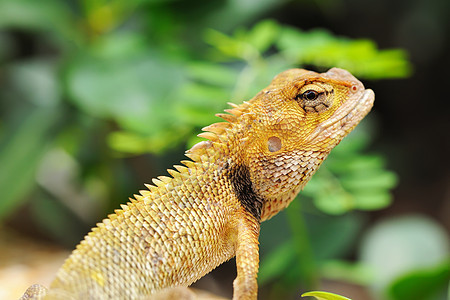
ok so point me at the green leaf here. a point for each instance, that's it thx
(371, 200)
(360, 57)
(44, 15)
(118, 45)
(20, 157)
(351, 180)
(369, 180)
(351, 272)
(227, 46)
(354, 163)
(325, 296)
(248, 45)
(137, 91)
(130, 142)
(422, 284)
(197, 104)
(124, 89)
(334, 202)
(212, 74)
(263, 35)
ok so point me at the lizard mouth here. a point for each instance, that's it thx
(346, 118)
(358, 111)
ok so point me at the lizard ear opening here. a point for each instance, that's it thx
(274, 144)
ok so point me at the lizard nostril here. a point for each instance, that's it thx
(274, 144)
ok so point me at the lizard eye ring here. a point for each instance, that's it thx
(315, 97)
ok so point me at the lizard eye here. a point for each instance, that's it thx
(315, 97)
(309, 95)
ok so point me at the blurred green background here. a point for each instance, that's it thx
(97, 97)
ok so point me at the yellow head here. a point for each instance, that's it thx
(309, 111)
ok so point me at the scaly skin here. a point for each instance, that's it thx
(249, 169)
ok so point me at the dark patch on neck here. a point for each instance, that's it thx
(241, 182)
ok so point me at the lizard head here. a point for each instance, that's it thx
(297, 120)
(304, 110)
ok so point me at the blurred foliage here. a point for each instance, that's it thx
(350, 180)
(87, 87)
(422, 284)
(403, 251)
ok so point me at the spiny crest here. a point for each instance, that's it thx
(145, 193)
(217, 128)
(136, 198)
(157, 182)
(214, 134)
(165, 179)
(182, 169)
(117, 213)
(198, 149)
(209, 136)
(151, 188)
(173, 173)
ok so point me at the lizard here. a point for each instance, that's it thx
(248, 168)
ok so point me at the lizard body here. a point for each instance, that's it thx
(210, 209)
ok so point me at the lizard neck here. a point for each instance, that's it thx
(280, 178)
